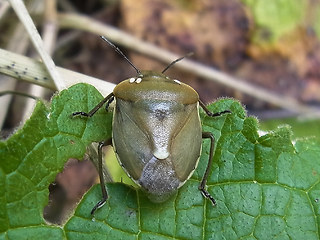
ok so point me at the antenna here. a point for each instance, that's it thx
(177, 60)
(121, 53)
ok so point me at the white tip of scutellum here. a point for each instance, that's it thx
(161, 153)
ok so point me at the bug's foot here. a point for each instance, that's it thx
(80, 114)
(211, 114)
(207, 195)
(98, 205)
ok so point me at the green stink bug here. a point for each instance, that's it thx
(156, 133)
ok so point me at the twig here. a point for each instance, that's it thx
(76, 21)
(3, 93)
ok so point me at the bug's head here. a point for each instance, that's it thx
(156, 86)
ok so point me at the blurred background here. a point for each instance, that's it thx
(274, 45)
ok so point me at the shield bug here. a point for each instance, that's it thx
(156, 133)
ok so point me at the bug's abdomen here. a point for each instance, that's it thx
(154, 138)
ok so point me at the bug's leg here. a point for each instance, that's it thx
(100, 171)
(109, 102)
(211, 114)
(107, 99)
(202, 186)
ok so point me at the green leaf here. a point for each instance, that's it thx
(266, 187)
(35, 154)
(302, 128)
(274, 18)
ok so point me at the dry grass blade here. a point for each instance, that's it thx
(32, 71)
(25, 18)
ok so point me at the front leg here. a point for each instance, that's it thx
(108, 99)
